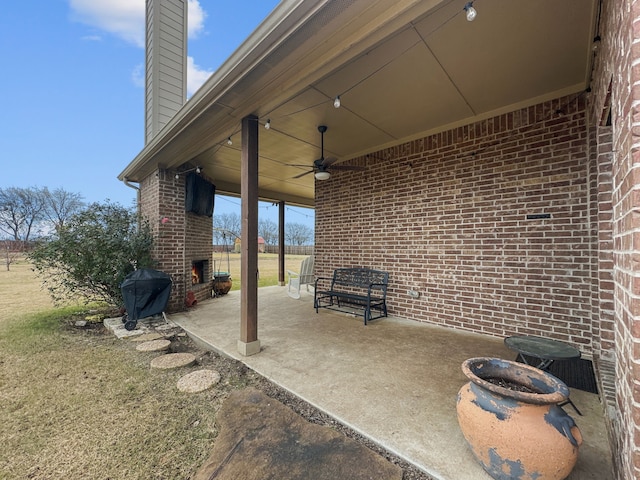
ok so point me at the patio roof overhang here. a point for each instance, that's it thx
(403, 69)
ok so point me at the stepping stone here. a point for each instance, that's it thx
(173, 360)
(147, 337)
(164, 327)
(154, 346)
(198, 381)
(117, 327)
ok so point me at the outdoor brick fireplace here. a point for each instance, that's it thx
(183, 241)
(199, 272)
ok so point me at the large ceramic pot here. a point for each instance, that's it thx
(222, 283)
(509, 415)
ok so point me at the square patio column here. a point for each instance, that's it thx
(281, 251)
(249, 343)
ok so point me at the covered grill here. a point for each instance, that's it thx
(145, 293)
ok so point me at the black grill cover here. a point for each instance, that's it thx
(145, 293)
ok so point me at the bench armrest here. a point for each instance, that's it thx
(318, 279)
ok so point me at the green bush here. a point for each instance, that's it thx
(91, 255)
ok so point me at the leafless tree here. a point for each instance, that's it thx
(298, 234)
(61, 205)
(268, 230)
(226, 228)
(21, 209)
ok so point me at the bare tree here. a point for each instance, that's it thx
(61, 205)
(298, 234)
(268, 230)
(226, 228)
(20, 211)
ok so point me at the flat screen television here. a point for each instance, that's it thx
(199, 195)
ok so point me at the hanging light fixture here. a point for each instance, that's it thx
(268, 124)
(229, 142)
(336, 102)
(322, 175)
(471, 12)
(198, 170)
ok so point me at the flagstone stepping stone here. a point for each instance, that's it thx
(154, 346)
(173, 360)
(263, 438)
(198, 381)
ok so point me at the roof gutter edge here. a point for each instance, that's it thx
(291, 12)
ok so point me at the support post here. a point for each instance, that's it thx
(281, 253)
(249, 343)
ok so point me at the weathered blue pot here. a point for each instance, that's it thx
(517, 435)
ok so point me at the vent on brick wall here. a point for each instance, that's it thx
(538, 216)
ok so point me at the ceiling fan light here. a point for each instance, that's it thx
(471, 12)
(323, 175)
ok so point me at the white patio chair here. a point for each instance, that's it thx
(304, 277)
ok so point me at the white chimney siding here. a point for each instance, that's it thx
(166, 63)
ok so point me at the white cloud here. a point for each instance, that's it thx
(197, 16)
(92, 38)
(195, 76)
(125, 18)
(137, 75)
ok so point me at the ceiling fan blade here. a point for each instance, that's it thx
(303, 174)
(327, 161)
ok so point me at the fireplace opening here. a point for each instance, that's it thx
(199, 270)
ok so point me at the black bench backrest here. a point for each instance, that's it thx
(360, 277)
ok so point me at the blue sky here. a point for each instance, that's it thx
(72, 102)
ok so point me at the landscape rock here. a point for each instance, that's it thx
(262, 438)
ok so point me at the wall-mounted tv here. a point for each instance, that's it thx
(199, 195)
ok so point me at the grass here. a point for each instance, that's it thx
(20, 291)
(267, 267)
(79, 403)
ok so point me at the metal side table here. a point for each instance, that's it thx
(545, 350)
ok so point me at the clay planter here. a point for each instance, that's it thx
(222, 283)
(516, 434)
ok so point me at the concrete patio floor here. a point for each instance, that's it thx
(394, 381)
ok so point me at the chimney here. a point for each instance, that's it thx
(166, 62)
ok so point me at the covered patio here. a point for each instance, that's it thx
(394, 381)
(490, 167)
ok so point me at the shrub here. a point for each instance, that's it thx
(91, 255)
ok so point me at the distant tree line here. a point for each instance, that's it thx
(227, 227)
(28, 213)
(33, 212)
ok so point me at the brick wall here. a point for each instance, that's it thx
(180, 237)
(615, 83)
(446, 215)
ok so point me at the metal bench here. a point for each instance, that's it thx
(360, 287)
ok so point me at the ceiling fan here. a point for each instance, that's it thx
(322, 165)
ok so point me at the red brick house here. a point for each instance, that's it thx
(494, 164)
